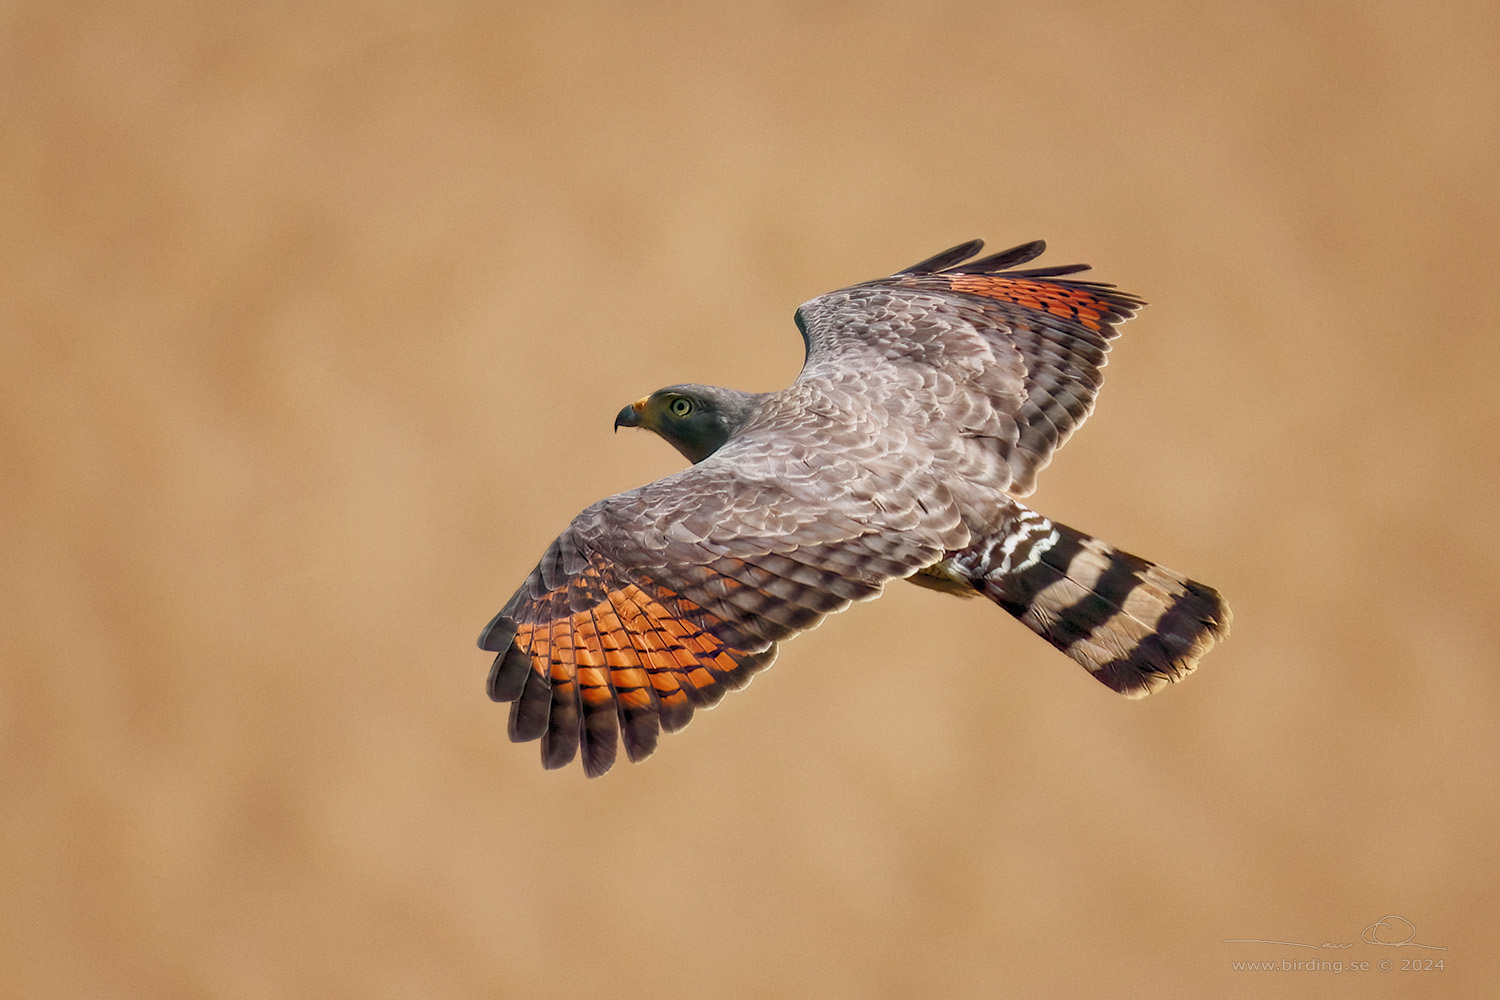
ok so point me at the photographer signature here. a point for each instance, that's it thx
(1390, 930)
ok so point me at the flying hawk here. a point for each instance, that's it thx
(927, 405)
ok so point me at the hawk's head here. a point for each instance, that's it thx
(694, 419)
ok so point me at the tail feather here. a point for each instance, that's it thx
(1134, 625)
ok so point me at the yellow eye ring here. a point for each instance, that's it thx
(681, 406)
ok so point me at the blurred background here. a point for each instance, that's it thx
(315, 320)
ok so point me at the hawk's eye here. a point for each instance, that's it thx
(681, 406)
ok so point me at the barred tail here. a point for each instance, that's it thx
(1134, 625)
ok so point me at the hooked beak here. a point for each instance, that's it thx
(631, 415)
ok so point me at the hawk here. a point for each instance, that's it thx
(926, 406)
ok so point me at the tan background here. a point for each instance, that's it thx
(315, 319)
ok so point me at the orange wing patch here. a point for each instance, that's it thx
(1067, 301)
(637, 659)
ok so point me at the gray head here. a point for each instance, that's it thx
(694, 419)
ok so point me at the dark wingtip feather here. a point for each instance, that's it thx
(1056, 271)
(598, 753)
(497, 634)
(1002, 260)
(675, 715)
(508, 675)
(946, 259)
(639, 731)
(528, 713)
(560, 742)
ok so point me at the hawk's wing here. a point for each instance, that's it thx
(659, 600)
(1022, 349)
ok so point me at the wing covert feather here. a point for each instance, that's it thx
(1046, 339)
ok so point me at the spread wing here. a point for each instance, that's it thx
(658, 601)
(1021, 349)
